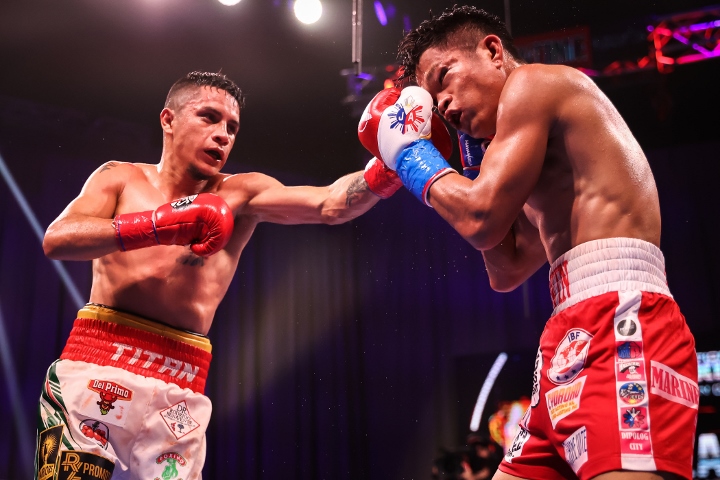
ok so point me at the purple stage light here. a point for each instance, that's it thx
(380, 13)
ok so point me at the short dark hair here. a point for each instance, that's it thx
(209, 79)
(464, 26)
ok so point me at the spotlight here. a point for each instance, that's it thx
(308, 11)
(229, 2)
(380, 13)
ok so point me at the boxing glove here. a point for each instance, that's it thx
(381, 181)
(397, 126)
(472, 152)
(203, 221)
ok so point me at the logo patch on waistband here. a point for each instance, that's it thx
(179, 420)
(570, 357)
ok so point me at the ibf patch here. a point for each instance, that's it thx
(179, 420)
(669, 384)
(48, 448)
(563, 400)
(576, 451)
(570, 356)
(79, 465)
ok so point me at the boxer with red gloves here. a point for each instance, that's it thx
(165, 241)
(203, 221)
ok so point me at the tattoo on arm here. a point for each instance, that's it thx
(356, 187)
(191, 260)
(108, 166)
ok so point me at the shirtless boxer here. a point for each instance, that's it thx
(126, 397)
(562, 181)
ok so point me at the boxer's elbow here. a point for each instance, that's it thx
(478, 231)
(51, 244)
(503, 283)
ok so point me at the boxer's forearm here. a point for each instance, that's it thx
(515, 258)
(79, 237)
(348, 198)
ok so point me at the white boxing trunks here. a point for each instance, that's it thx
(615, 382)
(125, 401)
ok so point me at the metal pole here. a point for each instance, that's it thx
(357, 36)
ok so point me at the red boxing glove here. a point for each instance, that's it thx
(381, 181)
(203, 220)
(370, 122)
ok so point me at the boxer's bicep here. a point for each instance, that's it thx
(99, 196)
(84, 230)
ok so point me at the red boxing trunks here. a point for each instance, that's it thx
(615, 382)
(125, 401)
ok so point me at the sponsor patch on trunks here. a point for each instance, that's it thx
(576, 452)
(626, 328)
(179, 420)
(96, 431)
(48, 448)
(563, 400)
(518, 443)
(171, 462)
(632, 393)
(76, 465)
(630, 370)
(535, 399)
(629, 350)
(635, 443)
(570, 356)
(109, 402)
(669, 384)
(634, 418)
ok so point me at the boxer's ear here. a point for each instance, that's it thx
(166, 118)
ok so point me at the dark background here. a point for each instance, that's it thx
(336, 349)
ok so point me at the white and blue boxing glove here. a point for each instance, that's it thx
(472, 151)
(400, 128)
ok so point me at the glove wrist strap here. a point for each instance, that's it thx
(135, 230)
(419, 165)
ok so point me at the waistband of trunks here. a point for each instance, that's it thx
(606, 265)
(103, 336)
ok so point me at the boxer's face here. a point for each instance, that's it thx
(203, 127)
(466, 84)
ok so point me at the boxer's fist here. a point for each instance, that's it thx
(472, 151)
(203, 221)
(395, 118)
(381, 181)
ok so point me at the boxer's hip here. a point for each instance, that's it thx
(104, 336)
(606, 265)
